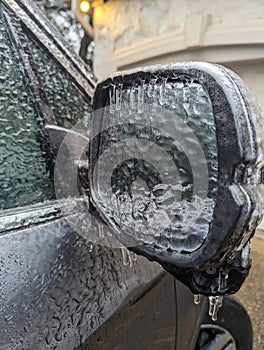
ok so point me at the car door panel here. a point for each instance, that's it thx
(147, 321)
(56, 290)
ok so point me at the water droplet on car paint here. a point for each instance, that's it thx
(100, 231)
(90, 247)
(8, 318)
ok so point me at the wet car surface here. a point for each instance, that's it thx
(57, 287)
(252, 292)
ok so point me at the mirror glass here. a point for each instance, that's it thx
(155, 177)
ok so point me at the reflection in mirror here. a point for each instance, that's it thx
(158, 146)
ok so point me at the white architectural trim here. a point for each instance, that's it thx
(198, 34)
(261, 226)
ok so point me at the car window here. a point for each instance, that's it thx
(41, 83)
(67, 102)
(57, 287)
(25, 177)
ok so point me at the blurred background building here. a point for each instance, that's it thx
(130, 33)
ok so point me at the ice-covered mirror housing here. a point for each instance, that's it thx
(176, 170)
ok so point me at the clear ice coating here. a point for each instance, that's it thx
(156, 178)
(67, 102)
(222, 280)
(128, 258)
(49, 291)
(24, 176)
(215, 304)
(62, 17)
(26, 165)
(25, 161)
(197, 299)
(57, 288)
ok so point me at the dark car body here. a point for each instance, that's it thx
(58, 290)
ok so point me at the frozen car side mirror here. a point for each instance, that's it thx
(176, 170)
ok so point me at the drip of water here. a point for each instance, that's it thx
(169, 94)
(156, 92)
(112, 99)
(150, 88)
(127, 257)
(197, 299)
(141, 98)
(186, 99)
(118, 96)
(126, 101)
(177, 95)
(215, 304)
(222, 280)
(162, 92)
(132, 97)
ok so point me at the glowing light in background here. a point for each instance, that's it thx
(85, 6)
